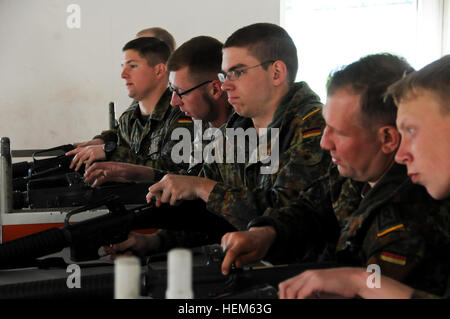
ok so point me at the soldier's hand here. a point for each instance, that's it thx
(102, 172)
(96, 141)
(137, 244)
(324, 283)
(243, 247)
(173, 189)
(86, 155)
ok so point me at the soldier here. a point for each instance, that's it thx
(155, 32)
(195, 62)
(145, 128)
(423, 114)
(384, 218)
(259, 69)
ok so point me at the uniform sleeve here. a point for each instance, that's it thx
(159, 154)
(300, 164)
(395, 248)
(107, 135)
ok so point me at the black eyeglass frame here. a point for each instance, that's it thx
(233, 75)
(180, 95)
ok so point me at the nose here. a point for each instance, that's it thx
(403, 156)
(175, 100)
(326, 141)
(226, 85)
(124, 73)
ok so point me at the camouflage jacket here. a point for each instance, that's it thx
(399, 227)
(244, 191)
(396, 225)
(150, 144)
(308, 228)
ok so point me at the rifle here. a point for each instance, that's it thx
(255, 282)
(86, 237)
(24, 172)
(69, 190)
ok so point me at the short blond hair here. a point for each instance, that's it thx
(434, 77)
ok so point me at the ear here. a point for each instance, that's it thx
(279, 75)
(160, 70)
(389, 138)
(216, 89)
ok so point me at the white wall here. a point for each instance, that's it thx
(56, 83)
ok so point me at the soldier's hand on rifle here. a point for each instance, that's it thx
(96, 141)
(243, 247)
(102, 172)
(173, 189)
(345, 282)
(137, 244)
(86, 155)
(324, 283)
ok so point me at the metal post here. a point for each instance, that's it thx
(112, 116)
(5, 179)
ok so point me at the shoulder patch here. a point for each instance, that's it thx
(311, 133)
(393, 258)
(387, 231)
(308, 115)
(388, 221)
(184, 120)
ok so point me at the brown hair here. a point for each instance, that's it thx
(203, 56)
(267, 42)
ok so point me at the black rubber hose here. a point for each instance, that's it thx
(98, 286)
(23, 251)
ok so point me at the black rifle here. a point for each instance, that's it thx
(24, 172)
(256, 282)
(69, 190)
(86, 237)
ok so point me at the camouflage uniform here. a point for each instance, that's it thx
(396, 225)
(149, 144)
(242, 192)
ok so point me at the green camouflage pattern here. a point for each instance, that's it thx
(151, 144)
(399, 227)
(242, 192)
(308, 227)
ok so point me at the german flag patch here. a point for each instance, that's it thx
(311, 133)
(185, 120)
(393, 258)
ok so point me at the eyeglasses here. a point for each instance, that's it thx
(236, 74)
(180, 94)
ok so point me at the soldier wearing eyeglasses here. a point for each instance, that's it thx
(143, 135)
(195, 91)
(259, 67)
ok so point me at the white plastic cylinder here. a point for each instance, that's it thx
(127, 277)
(179, 274)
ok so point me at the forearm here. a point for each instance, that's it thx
(139, 173)
(388, 289)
